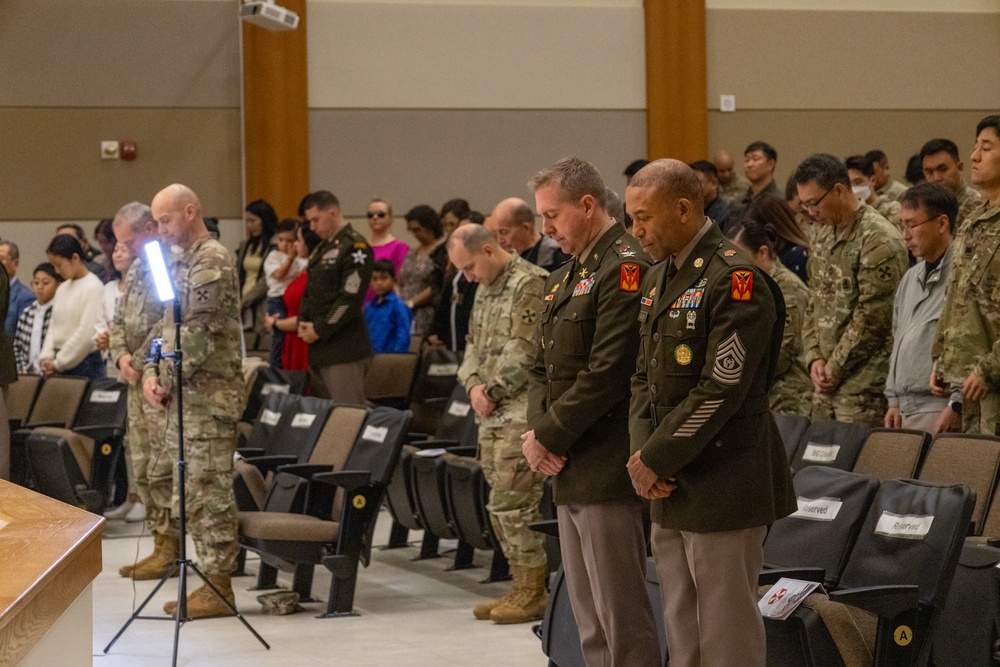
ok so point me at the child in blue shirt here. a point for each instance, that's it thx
(387, 316)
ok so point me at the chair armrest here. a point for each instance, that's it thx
(270, 463)
(30, 427)
(250, 452)
(465, 450)
(770, 577)
(885, 601)
(306, 470)
(549, 527)
(85, 430)
(435, 444)
(345, 479)
(416, 437)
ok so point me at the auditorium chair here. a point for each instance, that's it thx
(436, 376)
(558, 630)
(468, 494)
(261, 439)
(815, 542)
(973, 460)
(264, 381)
(336, 528)
(830, 443)
(55, 405)
(791, 428)
(20, 398)
(77, 465)
(389, 379)
(892, 453)
(893, 588)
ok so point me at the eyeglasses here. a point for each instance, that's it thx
(812, 206)
(377, 214)
(914, 225)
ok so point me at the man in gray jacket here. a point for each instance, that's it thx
(928, 217)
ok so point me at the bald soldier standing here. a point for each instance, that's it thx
(578, 414)
(205, 281)
(706, 449)
(139, 312)
(732, 186)
(513, 224)
(503, 335)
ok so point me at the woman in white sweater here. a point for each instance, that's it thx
(76, 309)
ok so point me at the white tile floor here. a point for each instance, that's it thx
(411, 613)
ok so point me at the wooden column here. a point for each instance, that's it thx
(676, 80)
(276, 113)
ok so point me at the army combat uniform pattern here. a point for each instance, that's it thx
(968, 334)
(206, 282)
(889, 209)
(136, 319)
(503, 336)
(792, 389)
(893, 190)
(969, 201)
(853, 276)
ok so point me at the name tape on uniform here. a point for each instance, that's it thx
(442, 370)
(375, 433)
(275, 388)
(907, 526)
(303, 420)
(459, 409)
(269, 417)
(105, 396)
(820, 453)
(818, 509)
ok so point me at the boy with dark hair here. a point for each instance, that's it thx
(387, 316)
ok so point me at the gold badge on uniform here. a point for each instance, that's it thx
(683, 354)
(698, 263)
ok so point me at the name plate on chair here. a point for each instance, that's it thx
(442, 370)
(785, 597)
(908, 526)
(820, 453)
(375, 433)
(818, 509)
(459, 409)
(275, 388)
(303, 420)
(105, 396)
(269, 417)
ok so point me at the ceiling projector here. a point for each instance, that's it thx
(268, 15)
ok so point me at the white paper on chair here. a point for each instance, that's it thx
(459, 409)
(442, 370)
(105, 396)
(818, 509)
(274, 388)
(269, 417)
(303, 420)
(375, 433)
(907, 526)
(431, 453)
(820, 453)
(785, 597)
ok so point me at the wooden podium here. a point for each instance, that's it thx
(50, 553)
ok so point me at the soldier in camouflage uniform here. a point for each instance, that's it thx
(791, 391)
(732, 186)
(883, 183)
(503, 335)
(138, 314)
(205, 281)
(855, 264)
(861, 171)
(967, 350)
(941, 164)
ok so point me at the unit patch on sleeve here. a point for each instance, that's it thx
(629, 277)
(742, 285)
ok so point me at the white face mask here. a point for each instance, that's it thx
(862, 191)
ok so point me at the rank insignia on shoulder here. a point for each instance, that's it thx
(584, 286)
(742, 285)
(629, 277)
(646, 301)
(729, 253)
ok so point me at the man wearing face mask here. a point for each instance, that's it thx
(856, 260)
(860, 171)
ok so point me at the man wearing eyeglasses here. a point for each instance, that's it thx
(855, 264)
(927, 217)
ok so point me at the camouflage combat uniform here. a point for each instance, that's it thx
(889, 209)
(735, 190)
(853, 275)
(792, 388)
(138, 314)
(503, 335)
(206, 282)
(968, 334)
(892, 190)
(969, 200)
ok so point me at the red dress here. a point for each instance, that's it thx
(295, 353)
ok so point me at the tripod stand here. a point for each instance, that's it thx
(183, 563)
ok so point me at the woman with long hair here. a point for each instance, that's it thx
(261, 223)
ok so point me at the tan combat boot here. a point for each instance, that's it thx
(157, 563)
(203, 603)
(482, 611)
(528, 602)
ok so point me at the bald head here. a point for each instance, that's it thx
(673, 179)
(725, 165)
(513, 224)
(177, 211)
(477, 254)
(666, 204)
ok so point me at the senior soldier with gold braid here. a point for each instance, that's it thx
(205, 281)
(705, 447)
(856, 261)
(967, 350)
(503, 335)
(578, 414)
(135, 325)
(330, 318)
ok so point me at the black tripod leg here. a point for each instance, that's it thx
(181, 611)
(138, 610)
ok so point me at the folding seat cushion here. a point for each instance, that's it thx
(972, 460)
(791, 428)
(892, 453)
(467, 493)
(830, 443)
(389, 379)
(20, 398)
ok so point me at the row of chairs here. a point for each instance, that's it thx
(67, 437)
(309, 484)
